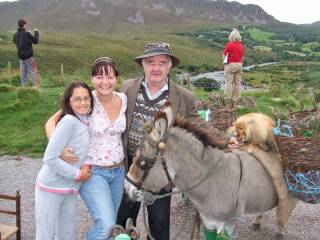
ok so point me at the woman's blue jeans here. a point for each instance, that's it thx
(102, 194)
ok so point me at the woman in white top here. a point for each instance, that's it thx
(102, 193)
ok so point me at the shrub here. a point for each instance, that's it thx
(317, 96)
(10, 78)
(6, 88)
(207, 84)
(275, 90)
(192, 68)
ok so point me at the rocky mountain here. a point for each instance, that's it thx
(107, 15)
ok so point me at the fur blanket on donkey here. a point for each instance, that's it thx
(254, 130)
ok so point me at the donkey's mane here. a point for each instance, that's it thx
(202, 131)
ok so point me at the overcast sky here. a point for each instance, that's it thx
(294, 11)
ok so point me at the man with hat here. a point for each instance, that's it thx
(147, 95)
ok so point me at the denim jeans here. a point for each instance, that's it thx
(102, 194)
(29, 65)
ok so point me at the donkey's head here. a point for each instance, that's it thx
(149, 170)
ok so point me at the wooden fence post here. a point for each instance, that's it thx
(9, 72)
(61, 73)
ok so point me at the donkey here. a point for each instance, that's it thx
(223, 186)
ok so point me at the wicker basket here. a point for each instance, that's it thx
(222, 117)
(299, 118)
(301, 157)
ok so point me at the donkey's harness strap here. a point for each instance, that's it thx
(158, 196)
(146, 163)
(240, 179)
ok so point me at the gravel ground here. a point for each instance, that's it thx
(20, 175)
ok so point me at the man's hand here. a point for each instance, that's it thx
(234, 143)
(85, 173)
(68, 155)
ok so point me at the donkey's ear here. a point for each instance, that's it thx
(167, 108)
(160, 125)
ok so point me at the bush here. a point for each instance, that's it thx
(207, 84)
(317, 96)
(6, 88)
(12, 78)
(275, 90)
(192, 68)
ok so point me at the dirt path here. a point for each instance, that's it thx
(14, 175)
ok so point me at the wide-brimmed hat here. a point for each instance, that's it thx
(154, 49)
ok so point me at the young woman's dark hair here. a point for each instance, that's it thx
(65, 101)
(103, 63)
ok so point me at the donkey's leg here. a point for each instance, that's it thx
(257, 223)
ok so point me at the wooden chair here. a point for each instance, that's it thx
(6, 231)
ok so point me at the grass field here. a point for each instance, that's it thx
(77, 52)
(259, 35)
(24, 111)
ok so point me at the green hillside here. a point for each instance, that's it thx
(24, 111)
(76, 52)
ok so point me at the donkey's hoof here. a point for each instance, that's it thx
(256, 226)
(280, 236)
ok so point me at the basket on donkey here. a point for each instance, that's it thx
(222, 116)
(300, 154)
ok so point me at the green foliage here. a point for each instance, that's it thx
(28, 94)
(207, 84)
(76, 52)
(260, 35)
(265, 43)
(24, 111)
(317, 96)
(6, 88)
(275, 90)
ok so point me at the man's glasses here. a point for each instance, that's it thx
(159, 45)
(80, 99)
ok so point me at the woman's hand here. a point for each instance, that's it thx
(234, 143)
(85, 173)
(68, 156)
